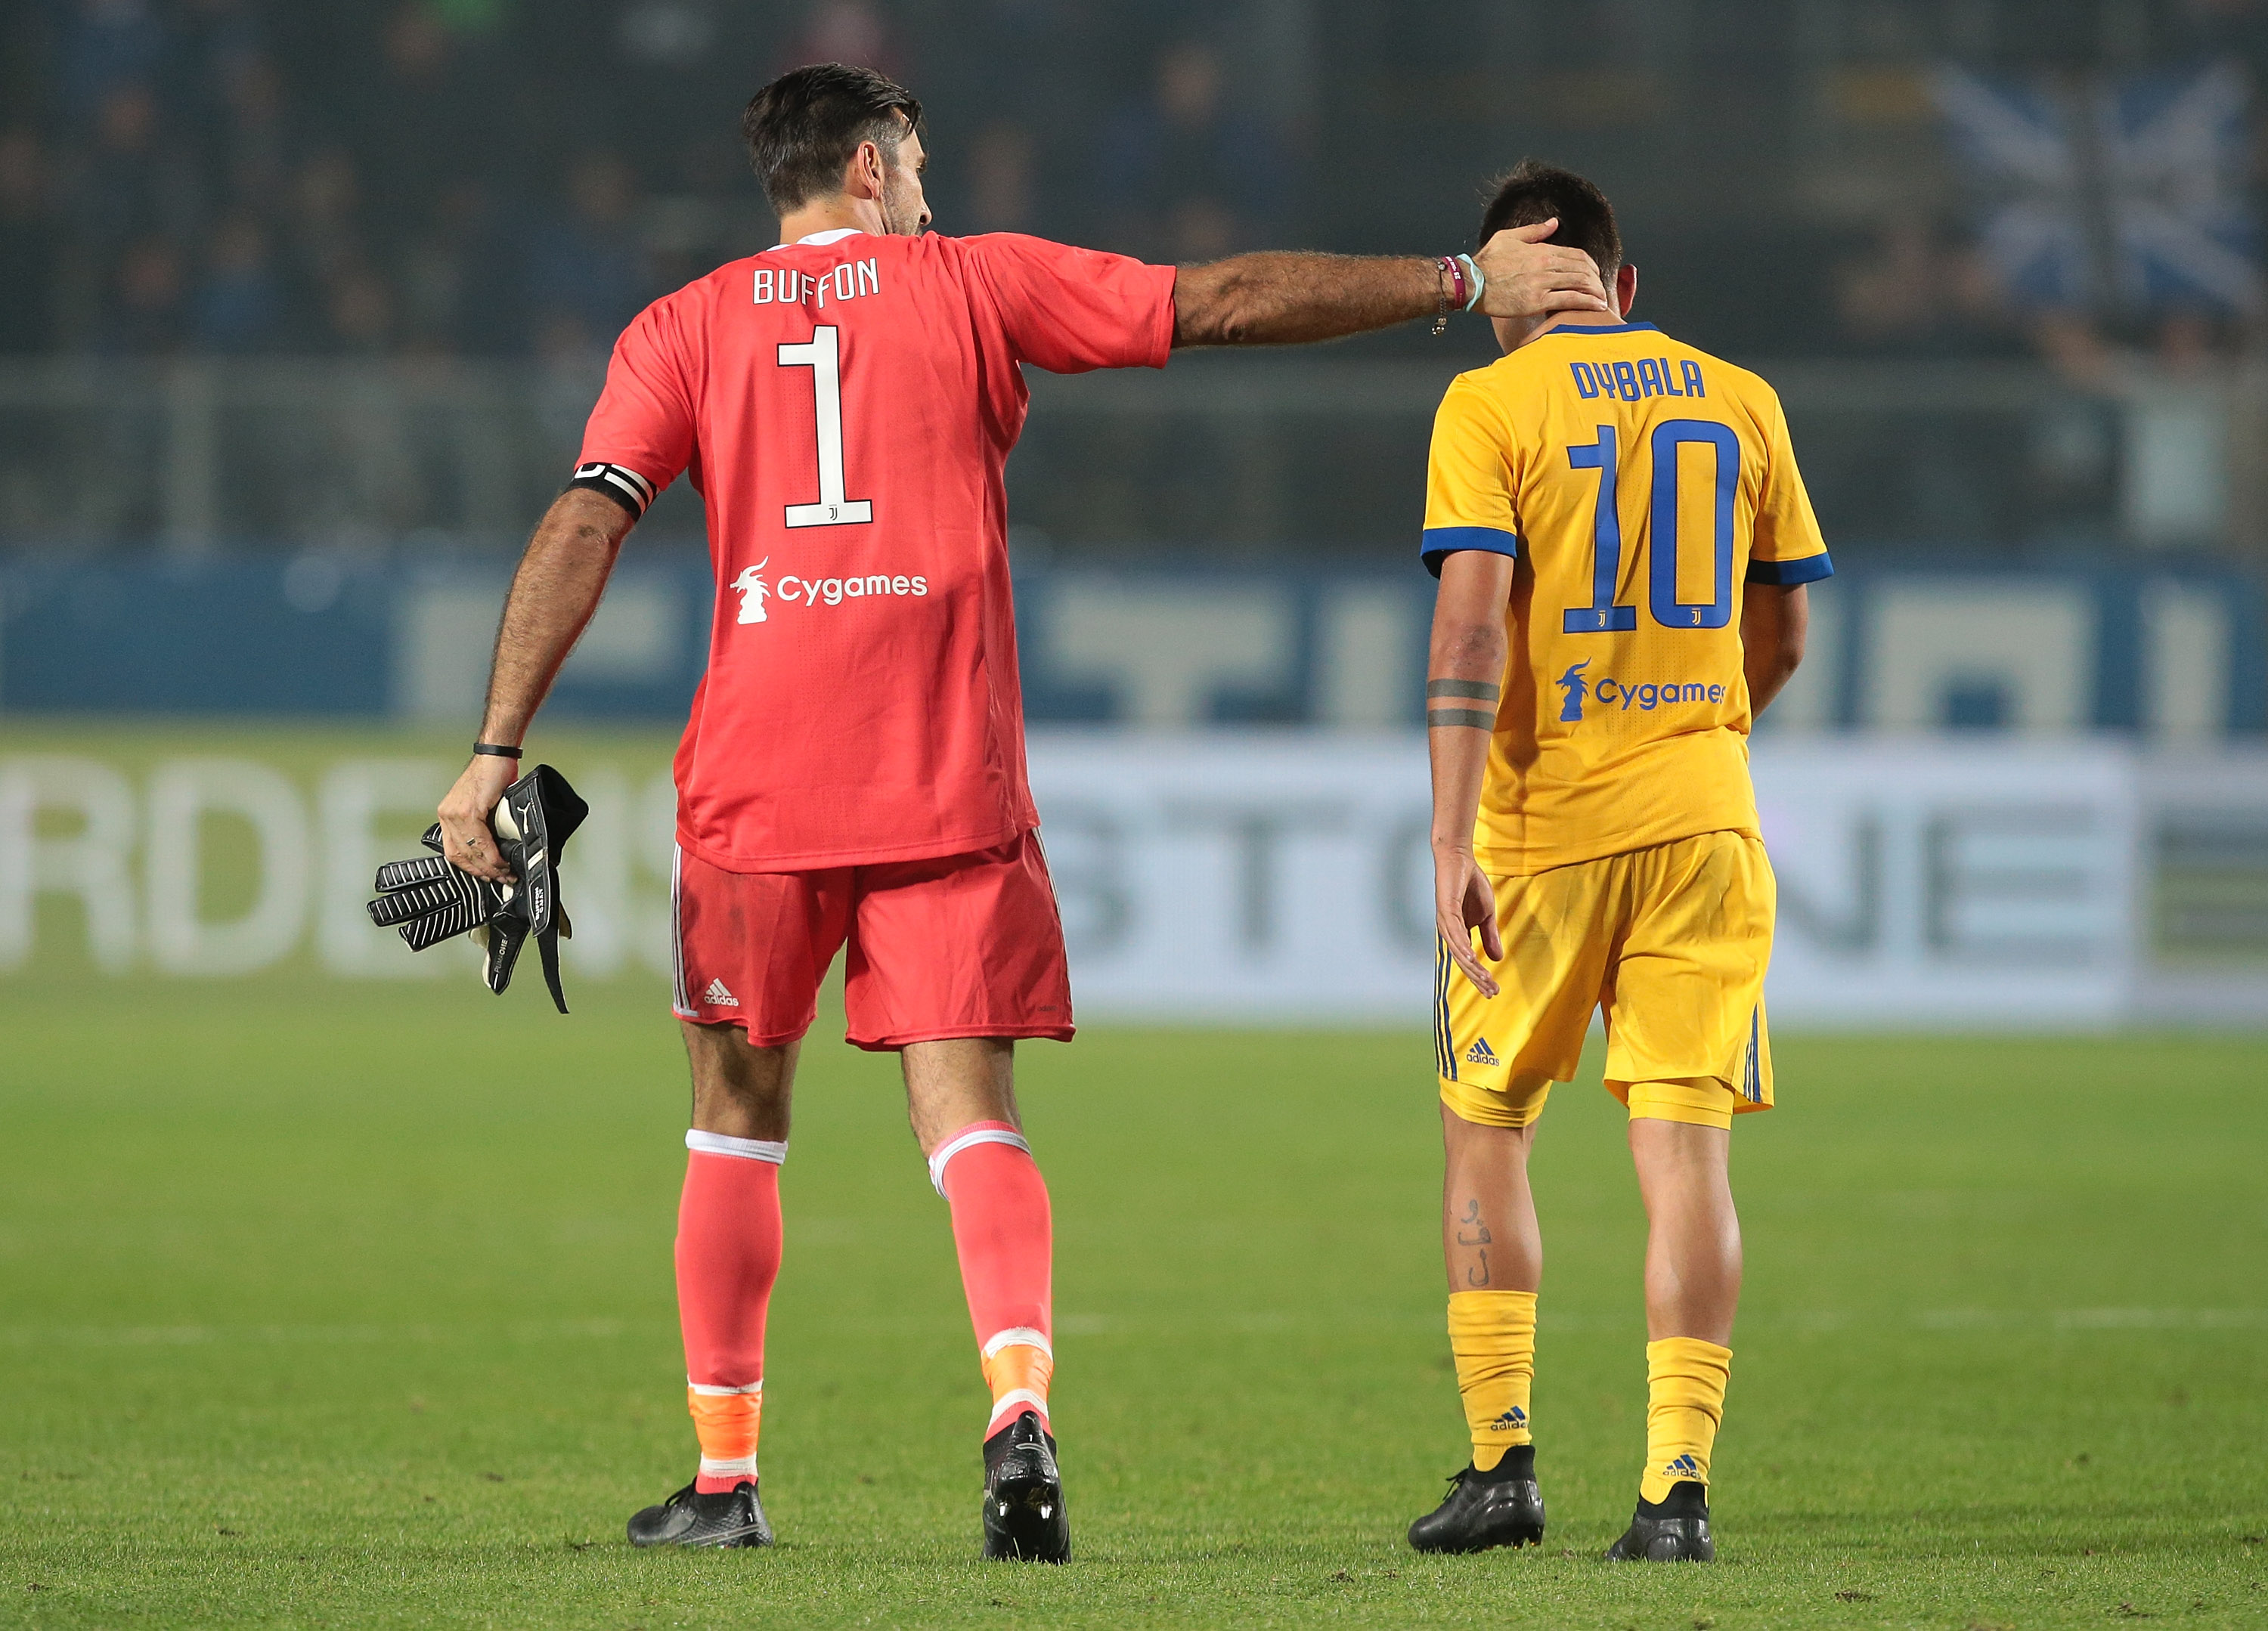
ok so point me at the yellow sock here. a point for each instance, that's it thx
(1492, 1333)
(1684, 1401)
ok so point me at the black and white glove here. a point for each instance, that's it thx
(427, 900)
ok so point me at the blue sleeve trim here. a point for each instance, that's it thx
(1787, 574)
(1439, 543)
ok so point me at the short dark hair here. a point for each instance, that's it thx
(1533, 192)
(802, 128)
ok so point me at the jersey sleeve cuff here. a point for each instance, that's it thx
(1787, 574)
(1161, 331)
(625, 486)
(1439, 543)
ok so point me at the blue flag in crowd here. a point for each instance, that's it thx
(2122, 194)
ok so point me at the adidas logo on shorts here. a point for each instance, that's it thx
(1481, 1053)
(716, 996)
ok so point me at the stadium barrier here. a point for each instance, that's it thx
(1228, 877)
(1165, 642)
(1218, 448)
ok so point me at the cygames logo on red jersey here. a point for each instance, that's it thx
(754, 591)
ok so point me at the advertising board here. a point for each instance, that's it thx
(1247, 878)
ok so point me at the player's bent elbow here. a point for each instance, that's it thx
(1464, 650)
(586, 516)
(1208, 309)
(1234, 327)
(1776, 624)
(1212, 321)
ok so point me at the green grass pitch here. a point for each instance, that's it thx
(332, 1306)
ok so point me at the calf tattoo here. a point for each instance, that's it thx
(1472, 1221)
(1473, 1232)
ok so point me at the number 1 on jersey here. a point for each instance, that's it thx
(822, 355)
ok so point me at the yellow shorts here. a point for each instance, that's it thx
(1671, 942)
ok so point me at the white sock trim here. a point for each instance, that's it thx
(969, 1140)
(712, 1390)
(1014, 1403)
(1016, 1336)
(739, 1466)
(747, 1149)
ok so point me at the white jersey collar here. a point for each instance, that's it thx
(833, 235)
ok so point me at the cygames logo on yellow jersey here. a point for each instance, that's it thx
(1571, 711)
(1610, 692)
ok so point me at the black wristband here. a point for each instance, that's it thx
(495, 750)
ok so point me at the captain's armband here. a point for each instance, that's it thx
(625, 486)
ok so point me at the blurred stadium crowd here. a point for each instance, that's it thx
(345, 274)
(471, 177)
(485, 177)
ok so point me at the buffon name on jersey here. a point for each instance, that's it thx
(786, 285)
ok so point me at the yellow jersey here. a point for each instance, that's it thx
(1641, 485)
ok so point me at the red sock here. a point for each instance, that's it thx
(1005, 1237)
(728, 1254)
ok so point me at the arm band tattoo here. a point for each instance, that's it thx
(1436, 718)
(1479, 690)
(626, 487)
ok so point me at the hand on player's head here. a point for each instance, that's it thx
(467, 839)
(1530, 277)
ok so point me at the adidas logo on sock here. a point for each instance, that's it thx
(1512, 1418)
(717, 996)
(1480, 1053)
(1684, 1466)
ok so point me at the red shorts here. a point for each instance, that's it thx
(960, 945)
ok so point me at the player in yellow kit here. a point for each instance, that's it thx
(1622, 542)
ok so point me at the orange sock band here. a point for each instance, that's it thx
(1018, 1367)
(726, 1424)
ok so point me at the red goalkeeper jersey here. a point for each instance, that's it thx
(844, 406)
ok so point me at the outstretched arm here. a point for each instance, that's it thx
(1277, 298)
(554, 591)
(1464, 671)
(1774, 622)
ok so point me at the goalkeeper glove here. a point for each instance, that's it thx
(427, 900)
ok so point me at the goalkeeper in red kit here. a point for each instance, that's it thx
(853, 770)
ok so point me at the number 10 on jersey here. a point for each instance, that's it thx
(1603, 616)
(822, 355)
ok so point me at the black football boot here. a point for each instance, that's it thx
(1023, 1515)
(731, 1517)
(1674, 1531)
(1503, 1506)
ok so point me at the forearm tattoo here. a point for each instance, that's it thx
(1439, 712)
